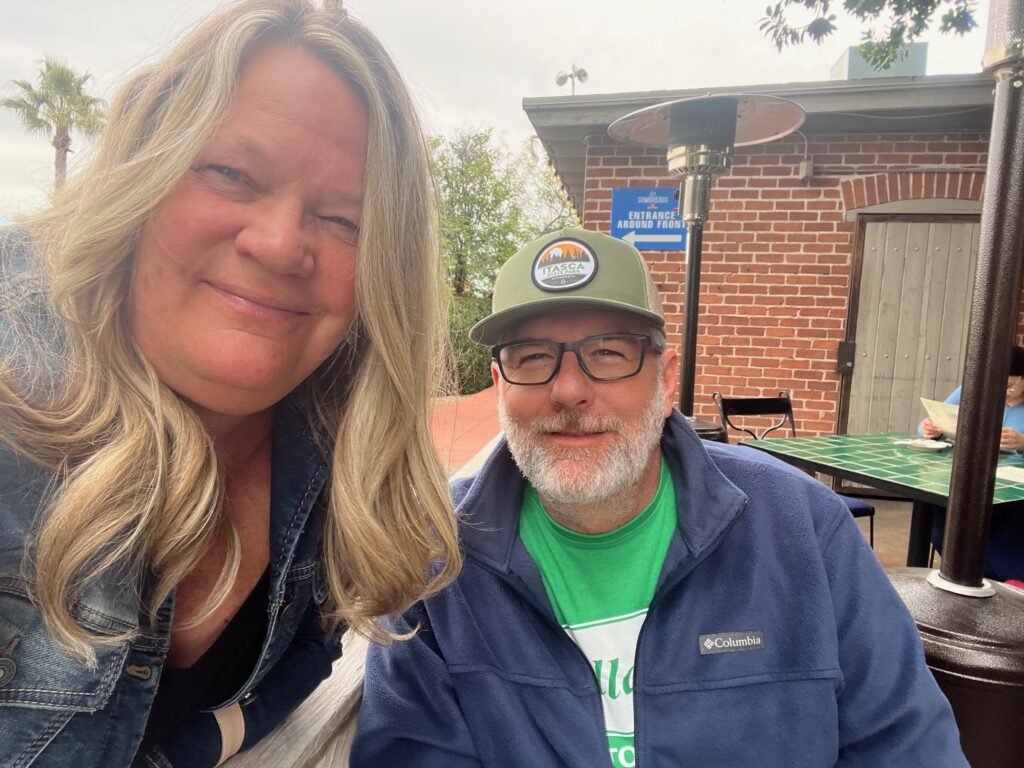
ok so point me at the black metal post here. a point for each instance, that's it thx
(688, 365)
(989, 337)
(972, 645)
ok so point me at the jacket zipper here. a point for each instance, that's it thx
(658, 596)
(600, 697)
(516, 583)
(527, 595)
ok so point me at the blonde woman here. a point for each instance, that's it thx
(218, 348)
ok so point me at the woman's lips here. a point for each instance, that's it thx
(255, 305)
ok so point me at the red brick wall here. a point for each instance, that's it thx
(776, 263)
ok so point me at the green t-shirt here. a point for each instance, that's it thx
(600, 587)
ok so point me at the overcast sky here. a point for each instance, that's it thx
(469, 62)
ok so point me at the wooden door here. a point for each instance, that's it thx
(916, 281)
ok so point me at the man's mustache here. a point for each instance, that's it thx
(575, 422)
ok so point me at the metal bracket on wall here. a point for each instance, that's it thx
(844, 356)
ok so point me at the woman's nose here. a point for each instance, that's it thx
(277, 237)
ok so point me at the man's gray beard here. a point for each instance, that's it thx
(606, 473)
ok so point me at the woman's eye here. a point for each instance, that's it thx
(347, 229)
(224, 172)
(341, 221)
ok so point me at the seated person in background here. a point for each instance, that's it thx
(1012, 437)
(1004, 555)
(631, 591)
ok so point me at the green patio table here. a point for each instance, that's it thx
(877, 461)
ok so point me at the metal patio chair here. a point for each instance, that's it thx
(730, 408)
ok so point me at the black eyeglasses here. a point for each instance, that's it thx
(603, 358)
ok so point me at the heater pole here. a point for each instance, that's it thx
(993, 314)
(694, 204)
(688, 369)
(989, 336)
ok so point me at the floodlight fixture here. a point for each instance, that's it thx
(700, 134)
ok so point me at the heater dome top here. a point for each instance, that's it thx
(755, 118)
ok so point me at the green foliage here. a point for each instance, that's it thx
(492, 202)
(56, 106)
(545, 205)
(903, 22)
(472, 360)
(481, 220)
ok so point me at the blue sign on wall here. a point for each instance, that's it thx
(648, 218)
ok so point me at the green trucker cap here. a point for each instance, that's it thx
(570, 269)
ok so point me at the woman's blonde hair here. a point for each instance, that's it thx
(139, 485)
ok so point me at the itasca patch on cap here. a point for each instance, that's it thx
(563, 265)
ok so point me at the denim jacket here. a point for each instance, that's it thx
(55, 711)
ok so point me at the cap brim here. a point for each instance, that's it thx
(490, 330)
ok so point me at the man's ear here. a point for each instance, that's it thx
(669, 377)
(495, 373)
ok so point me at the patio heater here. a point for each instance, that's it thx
(972, 629)
(700, 134)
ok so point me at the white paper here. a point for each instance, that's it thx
(1013, 474)
(943, 415)
(923, 444)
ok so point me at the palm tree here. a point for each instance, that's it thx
(58, 105)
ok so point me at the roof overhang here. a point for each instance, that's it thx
(929, 104)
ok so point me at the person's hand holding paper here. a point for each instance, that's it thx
(941, 419)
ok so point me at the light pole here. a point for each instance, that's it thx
(700, 134)
(577, 73)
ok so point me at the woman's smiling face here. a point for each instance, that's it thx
(244, 280)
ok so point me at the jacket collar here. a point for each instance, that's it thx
(708, 503)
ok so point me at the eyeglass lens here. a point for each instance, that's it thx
(601, 357)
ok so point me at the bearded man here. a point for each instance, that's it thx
(632, 595)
